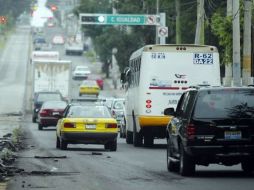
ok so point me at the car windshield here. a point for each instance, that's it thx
(82, 69)
(54, 105)
(226, 103)
(89, 112)
(40, 40)
(89, 83)
(47, 97)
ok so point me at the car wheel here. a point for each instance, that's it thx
(40, 127)
(187, 164)
(137, 138)
(171, 166)
(112, 146)
(57, 142)
(247, 166)
(122, 133)
(34, 119)
(129, 137)
(148, 140)
(63, 144)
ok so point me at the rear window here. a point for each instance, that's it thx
(48, 97)
(54, 105)
(89, 112)
(226, 103)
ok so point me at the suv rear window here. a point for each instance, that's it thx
(225, 103)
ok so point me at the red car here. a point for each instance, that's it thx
(98, 79)
(48, 111)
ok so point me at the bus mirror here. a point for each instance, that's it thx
(123, 78)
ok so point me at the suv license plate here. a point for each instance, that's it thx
(90, 126)
(233, 135)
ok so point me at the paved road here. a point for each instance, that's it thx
(13, 72)
(90, 167)
(13, 61)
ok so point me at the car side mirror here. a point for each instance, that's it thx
(169, 111)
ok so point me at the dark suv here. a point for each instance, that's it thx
(211, 125)
(40, 98)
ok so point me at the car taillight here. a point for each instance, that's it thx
(69, 125)
(44, 112)
(191, 130)
(111, 125)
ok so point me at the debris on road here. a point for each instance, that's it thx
(10, 143)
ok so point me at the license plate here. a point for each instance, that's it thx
(233, 135)
(55, 113)
(89, 126)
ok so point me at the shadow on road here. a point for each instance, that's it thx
(222, 174)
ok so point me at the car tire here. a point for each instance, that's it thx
(122, 132)
(40, 127)
(129, 137)
(171, 166)
(63, 144)
(112, 146)
(137, 138)
(148, 140)
(34, 119)
(247, 166)
(57, 142)
(187, 164)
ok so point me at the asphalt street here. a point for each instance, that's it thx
(90, 167)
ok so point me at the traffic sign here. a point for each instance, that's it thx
(163, 31)
(119, 19)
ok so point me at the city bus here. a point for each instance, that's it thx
(154, 80)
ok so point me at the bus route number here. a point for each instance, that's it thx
(203, 58)
(158, 56)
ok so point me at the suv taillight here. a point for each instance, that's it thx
(190, 130)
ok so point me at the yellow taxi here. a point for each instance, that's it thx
(87, 124)
(89, 87)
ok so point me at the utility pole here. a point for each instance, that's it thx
(228, 66)
(199, 37)
(157, 27)
(246, 70)
(178, 22)
(236, 44)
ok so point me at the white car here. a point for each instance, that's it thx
(81, 72)
(74, 48)
(58, 40)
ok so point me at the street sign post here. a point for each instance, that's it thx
(119, 19)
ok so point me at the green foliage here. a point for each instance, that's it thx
(11, 9)
(222, 27)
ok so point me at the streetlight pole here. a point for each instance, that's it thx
(236, 44)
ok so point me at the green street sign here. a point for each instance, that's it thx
(118, 19)
(126, 19)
